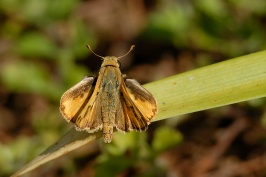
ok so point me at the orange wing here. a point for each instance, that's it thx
(77, 105)
(138, 107)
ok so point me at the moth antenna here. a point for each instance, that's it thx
(89, 47)
(131, 48)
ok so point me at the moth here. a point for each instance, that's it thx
(107, 101)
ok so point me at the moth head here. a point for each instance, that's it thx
(111, 61)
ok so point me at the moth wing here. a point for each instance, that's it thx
(138, 105)
(77, 106)
(122, 120)
(73, 99)
(89, 118)
(142, 99)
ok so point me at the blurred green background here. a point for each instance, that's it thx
(43, 53)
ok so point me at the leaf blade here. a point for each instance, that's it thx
(228, 82)
(71, 140)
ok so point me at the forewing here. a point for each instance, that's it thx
(73, 99)
(138, 105)
(77, 105)
(142, 99)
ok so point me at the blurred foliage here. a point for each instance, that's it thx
(132, 150)
(210, 25)
(43, 53)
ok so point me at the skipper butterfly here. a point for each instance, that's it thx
(107, 101)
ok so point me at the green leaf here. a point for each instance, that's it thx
(166, 138)
(122, 142)
(35, 45)
(112, 167)
(220, 84)
(27, 77)
(60, 9)
(224, 83)
(61, 147)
